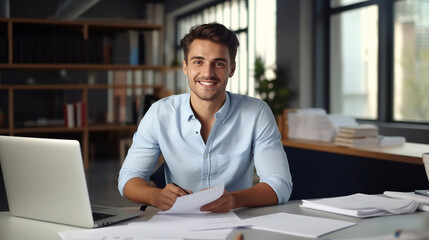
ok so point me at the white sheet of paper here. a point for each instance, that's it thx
(195, 221)
(297, 225)
(193, 202)
(142, 232)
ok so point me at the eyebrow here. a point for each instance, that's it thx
(216, 59)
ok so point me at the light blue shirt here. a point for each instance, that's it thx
(244, 136)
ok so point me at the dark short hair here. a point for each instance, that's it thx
(214, 32)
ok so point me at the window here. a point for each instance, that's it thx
(255, 25)
(353, 62)
(411, 61)
(341, 3)
(378, 59)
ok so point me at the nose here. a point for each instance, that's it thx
(208, 71)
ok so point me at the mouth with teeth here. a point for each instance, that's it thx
(207, 83)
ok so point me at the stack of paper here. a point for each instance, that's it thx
(315, 124)
(362, 205)
(422, 200)
(302, 124)
(357, 136)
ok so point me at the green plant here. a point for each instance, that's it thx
(273, 91)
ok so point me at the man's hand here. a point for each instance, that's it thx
(167, 196)
(139, 191)
(223, 204)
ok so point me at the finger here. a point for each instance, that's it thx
(218, 208)
(213, 205)
(175, 189)
(164, 206)
(184, 190)
(166, 198)
(222, 209)
(178, 190)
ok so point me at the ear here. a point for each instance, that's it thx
(185, 67)
(232, 69)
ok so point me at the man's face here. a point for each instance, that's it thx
(208, 69)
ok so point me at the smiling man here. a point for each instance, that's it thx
(209, 136)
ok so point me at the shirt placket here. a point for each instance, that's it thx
(205, 157)
(207, 176)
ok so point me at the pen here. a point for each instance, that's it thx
(181, 188)
(397, 233)
(239, 237)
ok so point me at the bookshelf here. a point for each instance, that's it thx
(47, 46)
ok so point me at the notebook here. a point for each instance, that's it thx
(45, 180)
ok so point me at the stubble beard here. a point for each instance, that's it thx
(207, 95)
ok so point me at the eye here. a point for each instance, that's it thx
(220, 64)
(197, 62)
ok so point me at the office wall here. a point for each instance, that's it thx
(173, 5)
(294, 48)
(107, 9)
(32, 9)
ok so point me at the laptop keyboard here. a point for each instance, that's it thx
(98, 216)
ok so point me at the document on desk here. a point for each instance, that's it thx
(297, 225)
(192, 203)
(196, 221)
(199, 225)
(139, 232)
(362, 205)
(422, 200)
(163, 226)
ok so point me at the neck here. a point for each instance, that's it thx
(206, 109)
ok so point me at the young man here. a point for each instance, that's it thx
(208, 136)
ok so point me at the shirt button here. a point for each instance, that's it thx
(196, 132)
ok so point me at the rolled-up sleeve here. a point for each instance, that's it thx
(270, 157)
(143, 154)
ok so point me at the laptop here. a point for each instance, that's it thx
(45, 180)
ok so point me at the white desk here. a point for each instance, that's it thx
(14, 228)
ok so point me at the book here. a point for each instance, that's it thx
(382, 141)
(126, 48)
(80, 114)
(361, 130)
(69, 115)
(119, 96)
(131, 110)
(356, 134)
(110, 116)
(357, 142)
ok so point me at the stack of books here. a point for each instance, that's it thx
(357, 136)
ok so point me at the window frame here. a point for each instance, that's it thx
(322, 12)
(385, 55)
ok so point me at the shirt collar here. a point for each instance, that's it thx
(188, 109)
(221, 114)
